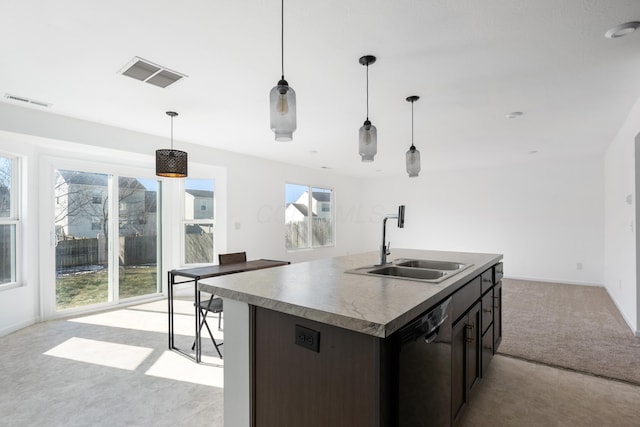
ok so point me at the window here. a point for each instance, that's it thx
(308, 216)
(198, 221)
(8, 220)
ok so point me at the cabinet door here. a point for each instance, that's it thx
(497, 316)
(487, 349)
(466, 357)
(458, 367)
(474, 345)
(487, 310)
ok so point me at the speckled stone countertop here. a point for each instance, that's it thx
(322, 291)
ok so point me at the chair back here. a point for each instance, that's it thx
(232, 258)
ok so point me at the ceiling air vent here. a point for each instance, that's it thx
(26, 100)
(148, 72)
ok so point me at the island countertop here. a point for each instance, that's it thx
(322, 291)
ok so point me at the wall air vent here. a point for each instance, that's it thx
(27, 100)
(148, 72)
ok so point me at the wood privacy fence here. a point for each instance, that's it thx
(297, 233)
(78, 252)
(6, 258)
(198, 247)
(134, 250)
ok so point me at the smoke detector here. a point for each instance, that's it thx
(148, 72)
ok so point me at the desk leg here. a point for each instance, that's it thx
(170, 281)
(197, 306)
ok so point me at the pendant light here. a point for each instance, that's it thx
(171, 163)
(413, 155)
(368, 141)
(283, 99)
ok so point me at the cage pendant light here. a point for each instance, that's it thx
(413, 155)
(282, 98)
(171, 163)
(368, 135)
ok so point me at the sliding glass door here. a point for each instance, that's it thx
(104, 251)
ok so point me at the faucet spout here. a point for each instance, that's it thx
(385, 248)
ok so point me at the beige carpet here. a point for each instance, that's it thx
(569, 326)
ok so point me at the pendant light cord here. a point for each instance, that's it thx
(367, 92)
(282, 36)
(412, 123)
(171, 133)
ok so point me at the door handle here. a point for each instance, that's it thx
(469, 334)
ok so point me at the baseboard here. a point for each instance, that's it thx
(624, 316)
(16, 326)
(563, 282)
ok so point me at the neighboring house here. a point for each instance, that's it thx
(82, 205)
(299, 210)
(198, 204)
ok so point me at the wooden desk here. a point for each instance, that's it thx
(197, 273)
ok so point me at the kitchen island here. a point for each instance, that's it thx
(310, 344)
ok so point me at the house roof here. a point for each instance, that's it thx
(321, 196)
(98, 179)
(205, 194)
(302, 208)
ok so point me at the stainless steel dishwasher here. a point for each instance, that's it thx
(422, 369)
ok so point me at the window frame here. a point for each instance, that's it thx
(208, 221)
(15, 211)
(309, 230)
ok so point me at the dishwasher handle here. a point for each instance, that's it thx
(429, 338)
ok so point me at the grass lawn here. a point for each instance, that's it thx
(86, 288)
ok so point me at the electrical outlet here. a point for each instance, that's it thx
(307, 338)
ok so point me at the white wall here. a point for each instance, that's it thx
(253, 194)
(19, 306)
(545, 215)
(620, 216)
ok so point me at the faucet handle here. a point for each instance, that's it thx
(388, 249)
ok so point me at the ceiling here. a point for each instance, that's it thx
(471, 62)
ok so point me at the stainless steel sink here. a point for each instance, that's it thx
(409, 273)
(421, 270)
(432, 264)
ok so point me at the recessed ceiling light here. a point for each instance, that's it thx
(325, 167)
(533, 151)
(622, 30)
(313, 152)
(514, 115)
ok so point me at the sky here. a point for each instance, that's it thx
(190, 184)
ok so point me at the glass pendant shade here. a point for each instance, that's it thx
(413, 162)
(368, 145)
(283, 111)
(171, 163)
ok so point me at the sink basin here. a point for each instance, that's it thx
(420, 270)
(427, 263)
(409, 273)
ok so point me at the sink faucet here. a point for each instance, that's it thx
(385, 249)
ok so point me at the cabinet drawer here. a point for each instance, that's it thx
(497, 272)
(487, 280)
(487, 310)
(487, 349)
(465, 297)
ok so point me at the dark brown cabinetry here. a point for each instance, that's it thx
(466, 357)
(313, 374)
(497, 315)
(343, 384)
